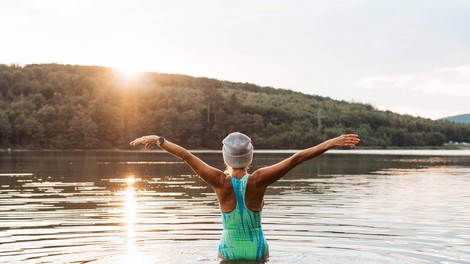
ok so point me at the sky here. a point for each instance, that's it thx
(410, 57)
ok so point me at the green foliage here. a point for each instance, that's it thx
(81, 107)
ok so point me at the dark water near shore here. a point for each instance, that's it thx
(147, 207)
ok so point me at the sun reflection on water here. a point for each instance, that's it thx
(131, 219)
(130, 209)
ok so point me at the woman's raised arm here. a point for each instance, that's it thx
(208, 173)
(268, 175)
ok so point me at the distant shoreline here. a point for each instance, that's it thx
(460, 151)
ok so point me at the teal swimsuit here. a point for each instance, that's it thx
(242, 237)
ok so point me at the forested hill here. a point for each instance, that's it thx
(81, 107)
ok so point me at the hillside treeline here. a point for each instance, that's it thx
(87, 107)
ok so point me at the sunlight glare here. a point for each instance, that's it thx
(128, 58)
(130, 208)
(130, 180)
(132, 255)
(130, 205)
(128, 71)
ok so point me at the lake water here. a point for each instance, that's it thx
(148, 207)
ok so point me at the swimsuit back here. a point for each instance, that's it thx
(242, 237)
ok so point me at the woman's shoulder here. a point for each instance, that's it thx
(254, 177)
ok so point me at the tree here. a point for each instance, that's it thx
(5, 129)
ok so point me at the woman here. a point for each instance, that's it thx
(240, 194)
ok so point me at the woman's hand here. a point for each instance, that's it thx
(145, 140)
(346, 141)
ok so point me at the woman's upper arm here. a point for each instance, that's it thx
(271, 174)
(268, 175)
(209, 174)
(214, 177)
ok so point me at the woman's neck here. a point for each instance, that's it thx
(237, 173)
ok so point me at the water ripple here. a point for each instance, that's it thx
(409, 210)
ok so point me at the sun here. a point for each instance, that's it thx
(128, 71)
(128, 58)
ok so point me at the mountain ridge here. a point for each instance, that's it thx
(463, 118)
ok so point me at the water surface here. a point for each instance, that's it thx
(148, 207)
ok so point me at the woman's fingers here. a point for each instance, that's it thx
(145, 140)
(348, 140)
(351, 140)
(137, 141)
(133, 143)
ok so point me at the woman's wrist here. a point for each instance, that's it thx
(160, 141)
(331, 143)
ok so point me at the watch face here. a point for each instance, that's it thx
(161, 140)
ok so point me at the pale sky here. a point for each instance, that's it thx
(410, 57)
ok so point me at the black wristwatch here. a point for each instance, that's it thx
(160, 141)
